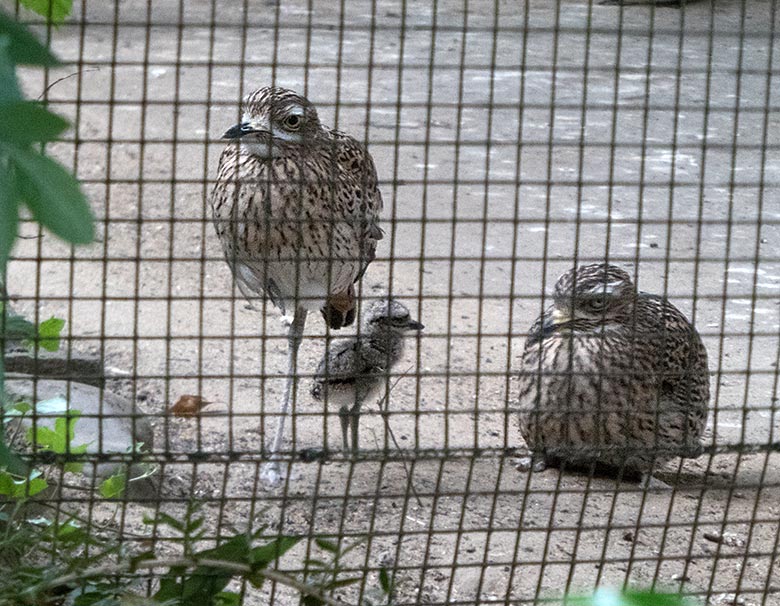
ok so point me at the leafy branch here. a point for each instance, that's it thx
(29, 179)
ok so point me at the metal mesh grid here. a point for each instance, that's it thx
(512, 142)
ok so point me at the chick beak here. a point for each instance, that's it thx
(413, 325)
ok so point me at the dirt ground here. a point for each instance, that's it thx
(511, 142)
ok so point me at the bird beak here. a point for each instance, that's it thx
(548, 325)
(241, 130)
(414, 325)
(558, 317)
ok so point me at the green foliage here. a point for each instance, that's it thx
(54, 11)
(52, 194)
(17, 488)
(113, 486)
(20, 48)
(606, 596)
(23, 123)
(15, 327)
(58, 440)
(49, 333)
(28, 177)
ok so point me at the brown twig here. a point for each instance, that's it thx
(58, 80)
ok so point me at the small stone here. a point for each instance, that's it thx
(108, 424)
(713, 537)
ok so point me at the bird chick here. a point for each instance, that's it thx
(352, 369)
(612, 377)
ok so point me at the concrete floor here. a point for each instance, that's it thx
(511, 143)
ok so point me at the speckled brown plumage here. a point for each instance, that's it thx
(612, 376)
(296, 206)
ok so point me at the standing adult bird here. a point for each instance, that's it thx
(296, 207)
(352, 369)
(612, 376)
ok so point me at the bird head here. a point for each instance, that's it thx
(389, 314)
(589, 296)
(274, 120)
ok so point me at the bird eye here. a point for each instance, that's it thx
(598, 302)
(292, 122)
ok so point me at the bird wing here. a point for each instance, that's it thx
(344, 363)
(362, 193)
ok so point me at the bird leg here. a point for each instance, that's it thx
(344, 418)
(271, 473)
(354, 416)
(349, 417)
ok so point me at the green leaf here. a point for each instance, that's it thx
(343, 582)
(49, 333)
(205, 582)
(607, 596)
(59, 439)
(20, 488)
(327, 545)
(73, 467)
(164, 518)
(652, 598)
(54, 11)
(23, 47)
(113, 486)
(71, 532)
(23, 123)
(9, 217)
(54, 196)
(22, 408)
(272, 551)
(227, 598)
(18, 329)
(9, 86)
(384, 581)
(9, 460)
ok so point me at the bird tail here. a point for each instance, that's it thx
(339, 309)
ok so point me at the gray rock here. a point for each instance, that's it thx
(107, 425)
(75, 366)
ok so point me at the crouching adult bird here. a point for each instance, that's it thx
(296, 207)
(612, 377)
(352, 369)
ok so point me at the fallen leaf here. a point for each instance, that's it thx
(188, 406)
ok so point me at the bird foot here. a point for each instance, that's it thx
(531, 462)
(272, 474)
(286, 320)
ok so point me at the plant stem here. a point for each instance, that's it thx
(235, 567)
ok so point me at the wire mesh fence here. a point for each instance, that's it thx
(512, 142)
